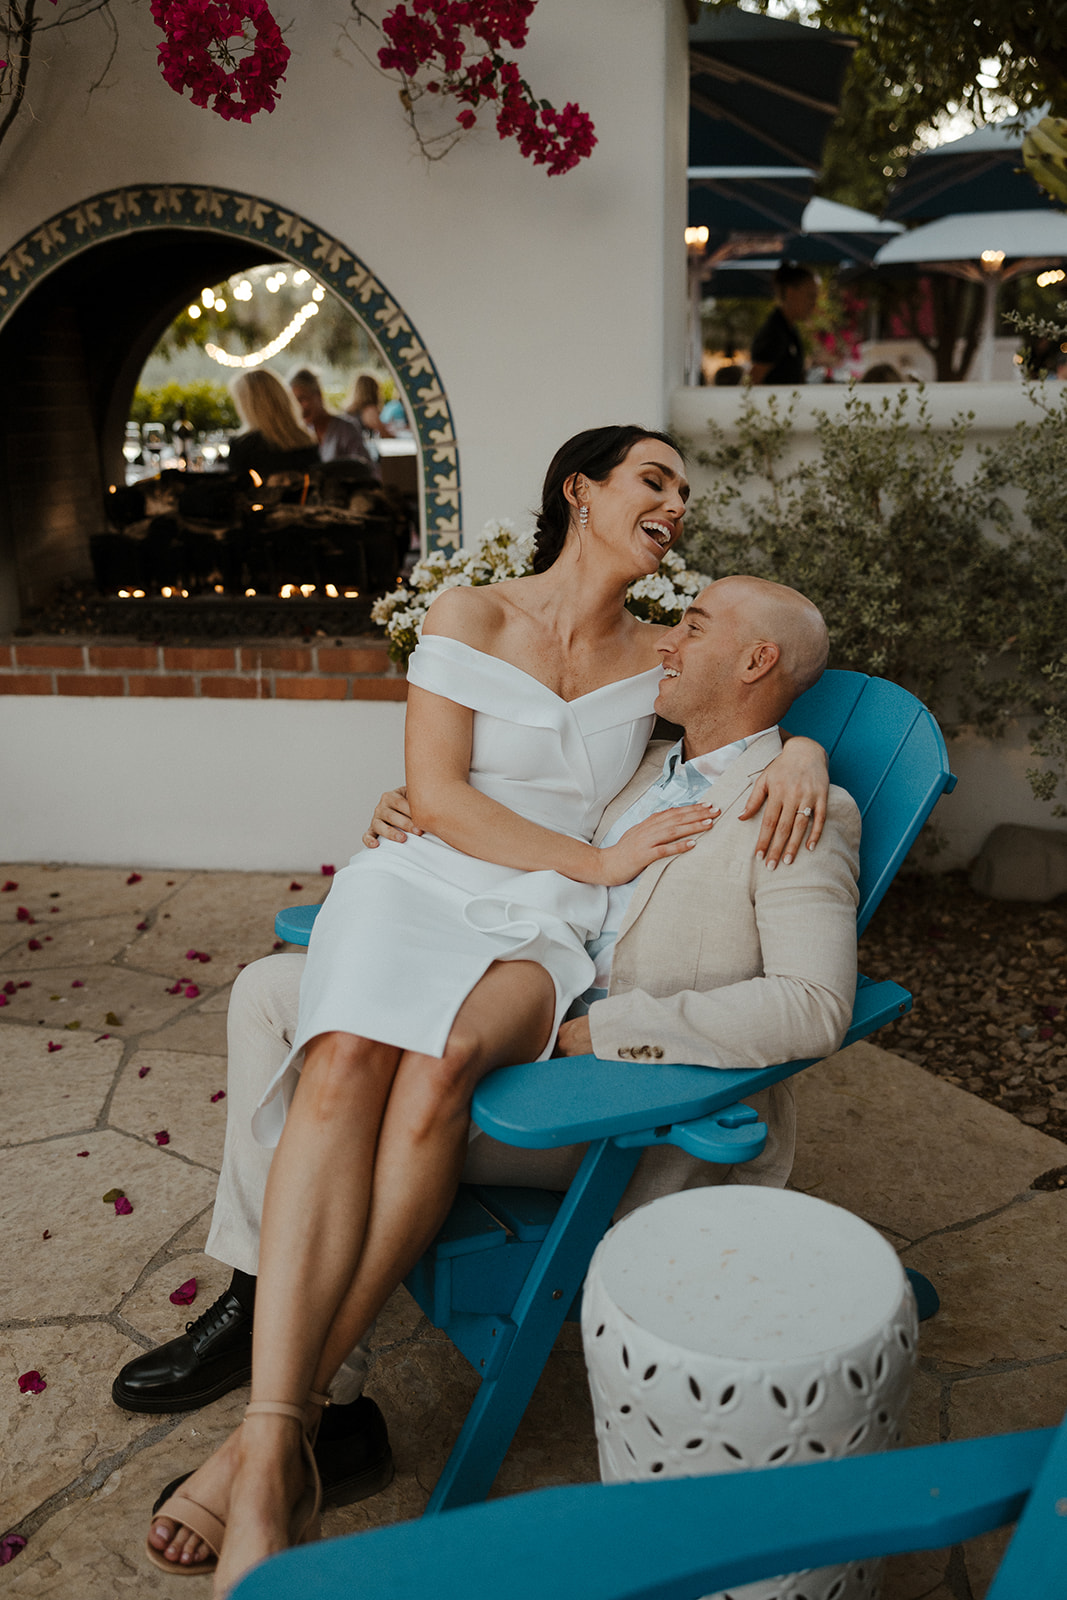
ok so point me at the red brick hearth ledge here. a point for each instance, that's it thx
(357, 669)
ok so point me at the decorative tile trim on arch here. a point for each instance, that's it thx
(243, 216)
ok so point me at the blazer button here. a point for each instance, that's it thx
(625, 1053)
(657, 1053)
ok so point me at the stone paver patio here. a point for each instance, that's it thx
(946, 1177)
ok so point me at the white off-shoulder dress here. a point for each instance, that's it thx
(408, 930)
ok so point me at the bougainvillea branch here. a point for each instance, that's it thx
(228, 53)
(452, 48)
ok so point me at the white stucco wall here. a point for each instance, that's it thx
(548, 304)
(229, 784)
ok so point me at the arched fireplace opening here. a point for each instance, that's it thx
(84, 301)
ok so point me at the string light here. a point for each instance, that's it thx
(256, 357)
(1047, 279)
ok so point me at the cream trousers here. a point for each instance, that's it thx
(260, 1028)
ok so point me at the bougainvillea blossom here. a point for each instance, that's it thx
(32, 1383)
(185, 1294)
(202, 39)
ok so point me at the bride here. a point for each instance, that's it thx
(530, 704)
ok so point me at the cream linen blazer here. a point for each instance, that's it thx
(725, 964)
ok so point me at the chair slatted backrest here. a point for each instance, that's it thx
(886, 749)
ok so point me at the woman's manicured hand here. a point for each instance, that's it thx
(792, 793)
(666, 833)
(391, 819)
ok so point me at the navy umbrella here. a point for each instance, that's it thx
(983, 171)
(762, 96)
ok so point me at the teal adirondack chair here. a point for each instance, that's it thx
(676, 1538)
(507, 1267)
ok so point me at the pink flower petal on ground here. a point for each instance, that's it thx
(142, 927)
(10, 1546)
(123, 1207)
(328, 872)
(48, 938)
(202, 955)
(32, 1383)
(34, 944)
(101, 1036)
(192, 955)
(162, 1137)
(279, 944)
(1051, 1012)
(220, 1094)
(9, 987)
(295, 887)
(1046, 1033)
(8, 886)
(26, 984)
(185, 1295)
(53, 911)
(175, 988)
(3, 999)
(191, 991)
(77, 984)
(142, 1072)
(53, 1047)
(47, 1234)
(134, 877)
(22, 915)
(82, 1152)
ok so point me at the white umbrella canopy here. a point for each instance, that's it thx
(829, 216)
(979, 245)
(972, 235)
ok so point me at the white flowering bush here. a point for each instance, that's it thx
(662, 597)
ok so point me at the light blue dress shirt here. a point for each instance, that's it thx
(682, 783)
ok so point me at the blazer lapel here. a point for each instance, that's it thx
(725, 793)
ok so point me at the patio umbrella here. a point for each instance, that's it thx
(762, 96)
(983, 171)
(980, 246)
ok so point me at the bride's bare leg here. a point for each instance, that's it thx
(314, 1217)
(416, 1166)
(423, 1141)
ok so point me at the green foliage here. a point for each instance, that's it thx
(924, 572)
(207, 405)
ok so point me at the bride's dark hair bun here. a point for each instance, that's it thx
(595, 453)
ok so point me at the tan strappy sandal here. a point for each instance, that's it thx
(211, 1529)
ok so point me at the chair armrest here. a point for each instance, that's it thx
(542, 1105)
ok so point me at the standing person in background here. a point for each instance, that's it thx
(340, 438)
(778, 349)
(365, 405)
(272, 439)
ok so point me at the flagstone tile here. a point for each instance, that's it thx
(174, 1097)
(94, 1547)
(46, 1093)
(53, 893)
(54, 1438)
(1003, 1286)
(93, 1255)
(81, 940)
(226, 915)
(149, 1308)
(201, 1030)
(1007, 1402)
(139, 1000)
(907, 1151)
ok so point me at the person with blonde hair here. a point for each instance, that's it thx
(273, 439)
(365, 406)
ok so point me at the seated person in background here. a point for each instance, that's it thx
(778, 349)
(394, 416)
(273, 439)
(883, 372)
(365, 405)
(706, 957)
(340, 438)
(728, 376)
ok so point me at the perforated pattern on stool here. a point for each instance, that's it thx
(662, 1410)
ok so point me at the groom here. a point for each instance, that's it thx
(708, 957)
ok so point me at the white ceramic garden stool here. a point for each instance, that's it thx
(735, 1327)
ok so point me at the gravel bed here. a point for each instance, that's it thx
(989, 980)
